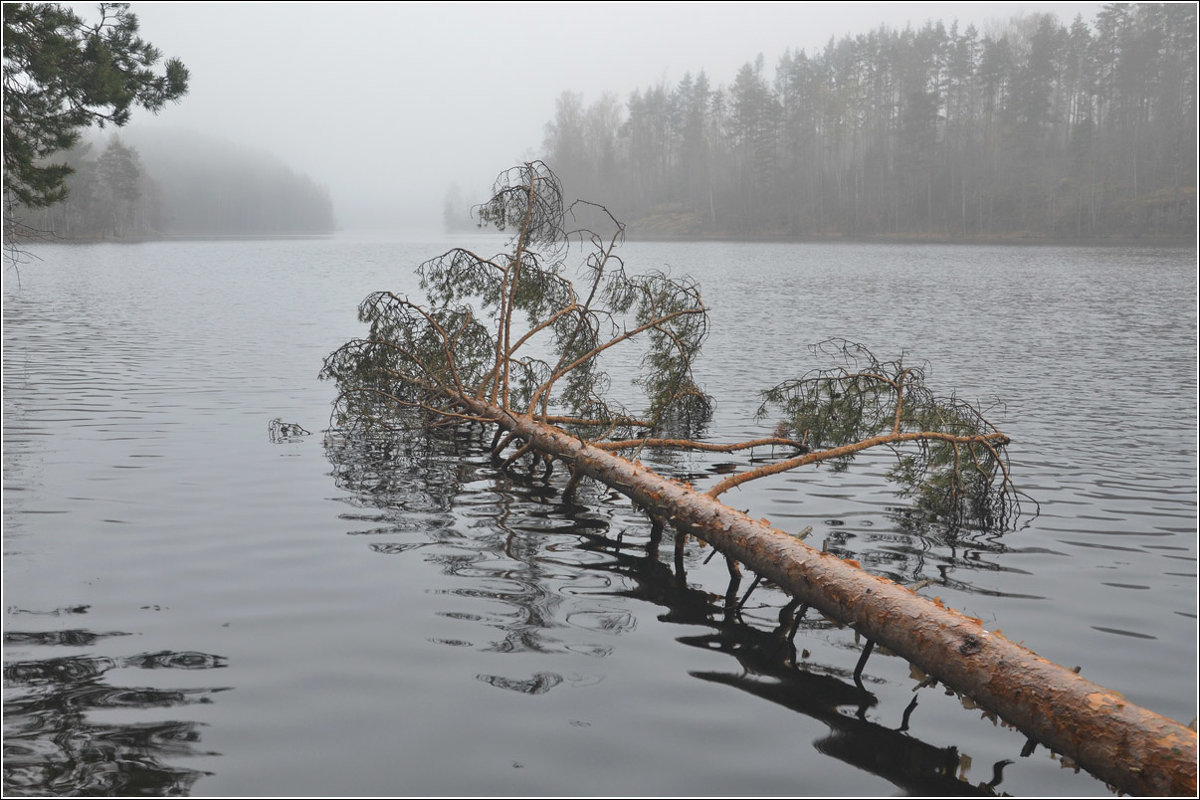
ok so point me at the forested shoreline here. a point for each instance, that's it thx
(1039, 132)
(131, 187)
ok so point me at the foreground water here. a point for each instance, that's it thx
(192, 607)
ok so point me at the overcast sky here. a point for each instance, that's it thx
(388, 104)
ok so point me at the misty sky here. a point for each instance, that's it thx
(388, 104)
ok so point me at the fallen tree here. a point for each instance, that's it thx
(512, 342)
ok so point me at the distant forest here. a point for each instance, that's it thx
(179, 185)
(1043, 131)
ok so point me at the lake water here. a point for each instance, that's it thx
(193, 608)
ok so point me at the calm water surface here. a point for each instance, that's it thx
(193, 608)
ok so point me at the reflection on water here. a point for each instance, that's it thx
(150, 523)
(540, 683)
(553, 571)
(53, 743)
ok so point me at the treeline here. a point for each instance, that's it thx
(179, 185)
(1042, 130)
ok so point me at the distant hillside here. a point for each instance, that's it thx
(139, 184)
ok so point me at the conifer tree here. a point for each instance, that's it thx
(62, 75)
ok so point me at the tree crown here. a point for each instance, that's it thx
(62, 75)
(519, 335)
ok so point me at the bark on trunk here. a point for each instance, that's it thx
(1131, 748)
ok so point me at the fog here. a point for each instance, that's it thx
(390, 104)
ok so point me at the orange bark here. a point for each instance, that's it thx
(1131, 748)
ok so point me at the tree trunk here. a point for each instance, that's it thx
(1131, 748)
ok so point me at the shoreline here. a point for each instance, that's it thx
(1177, 242)
(1016, 241)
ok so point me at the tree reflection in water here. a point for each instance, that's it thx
(558, 570)
(51, 747)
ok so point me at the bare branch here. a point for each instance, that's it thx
(850, 449)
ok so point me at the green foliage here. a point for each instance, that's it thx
(60, 76)
(518, 331)
(949, 458)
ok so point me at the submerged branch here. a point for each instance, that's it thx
(707, 447)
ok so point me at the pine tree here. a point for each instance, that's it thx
(61, 75)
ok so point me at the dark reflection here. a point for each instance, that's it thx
(1120, 632)
(500, 540)
(540, 683)
(72, 638)
(280, 432)
(550, 574)
(53, 745)
(768, 670)
(401, 472)
(908, 552)
(769, 667)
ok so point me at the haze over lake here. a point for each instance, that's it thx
(390, 104)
